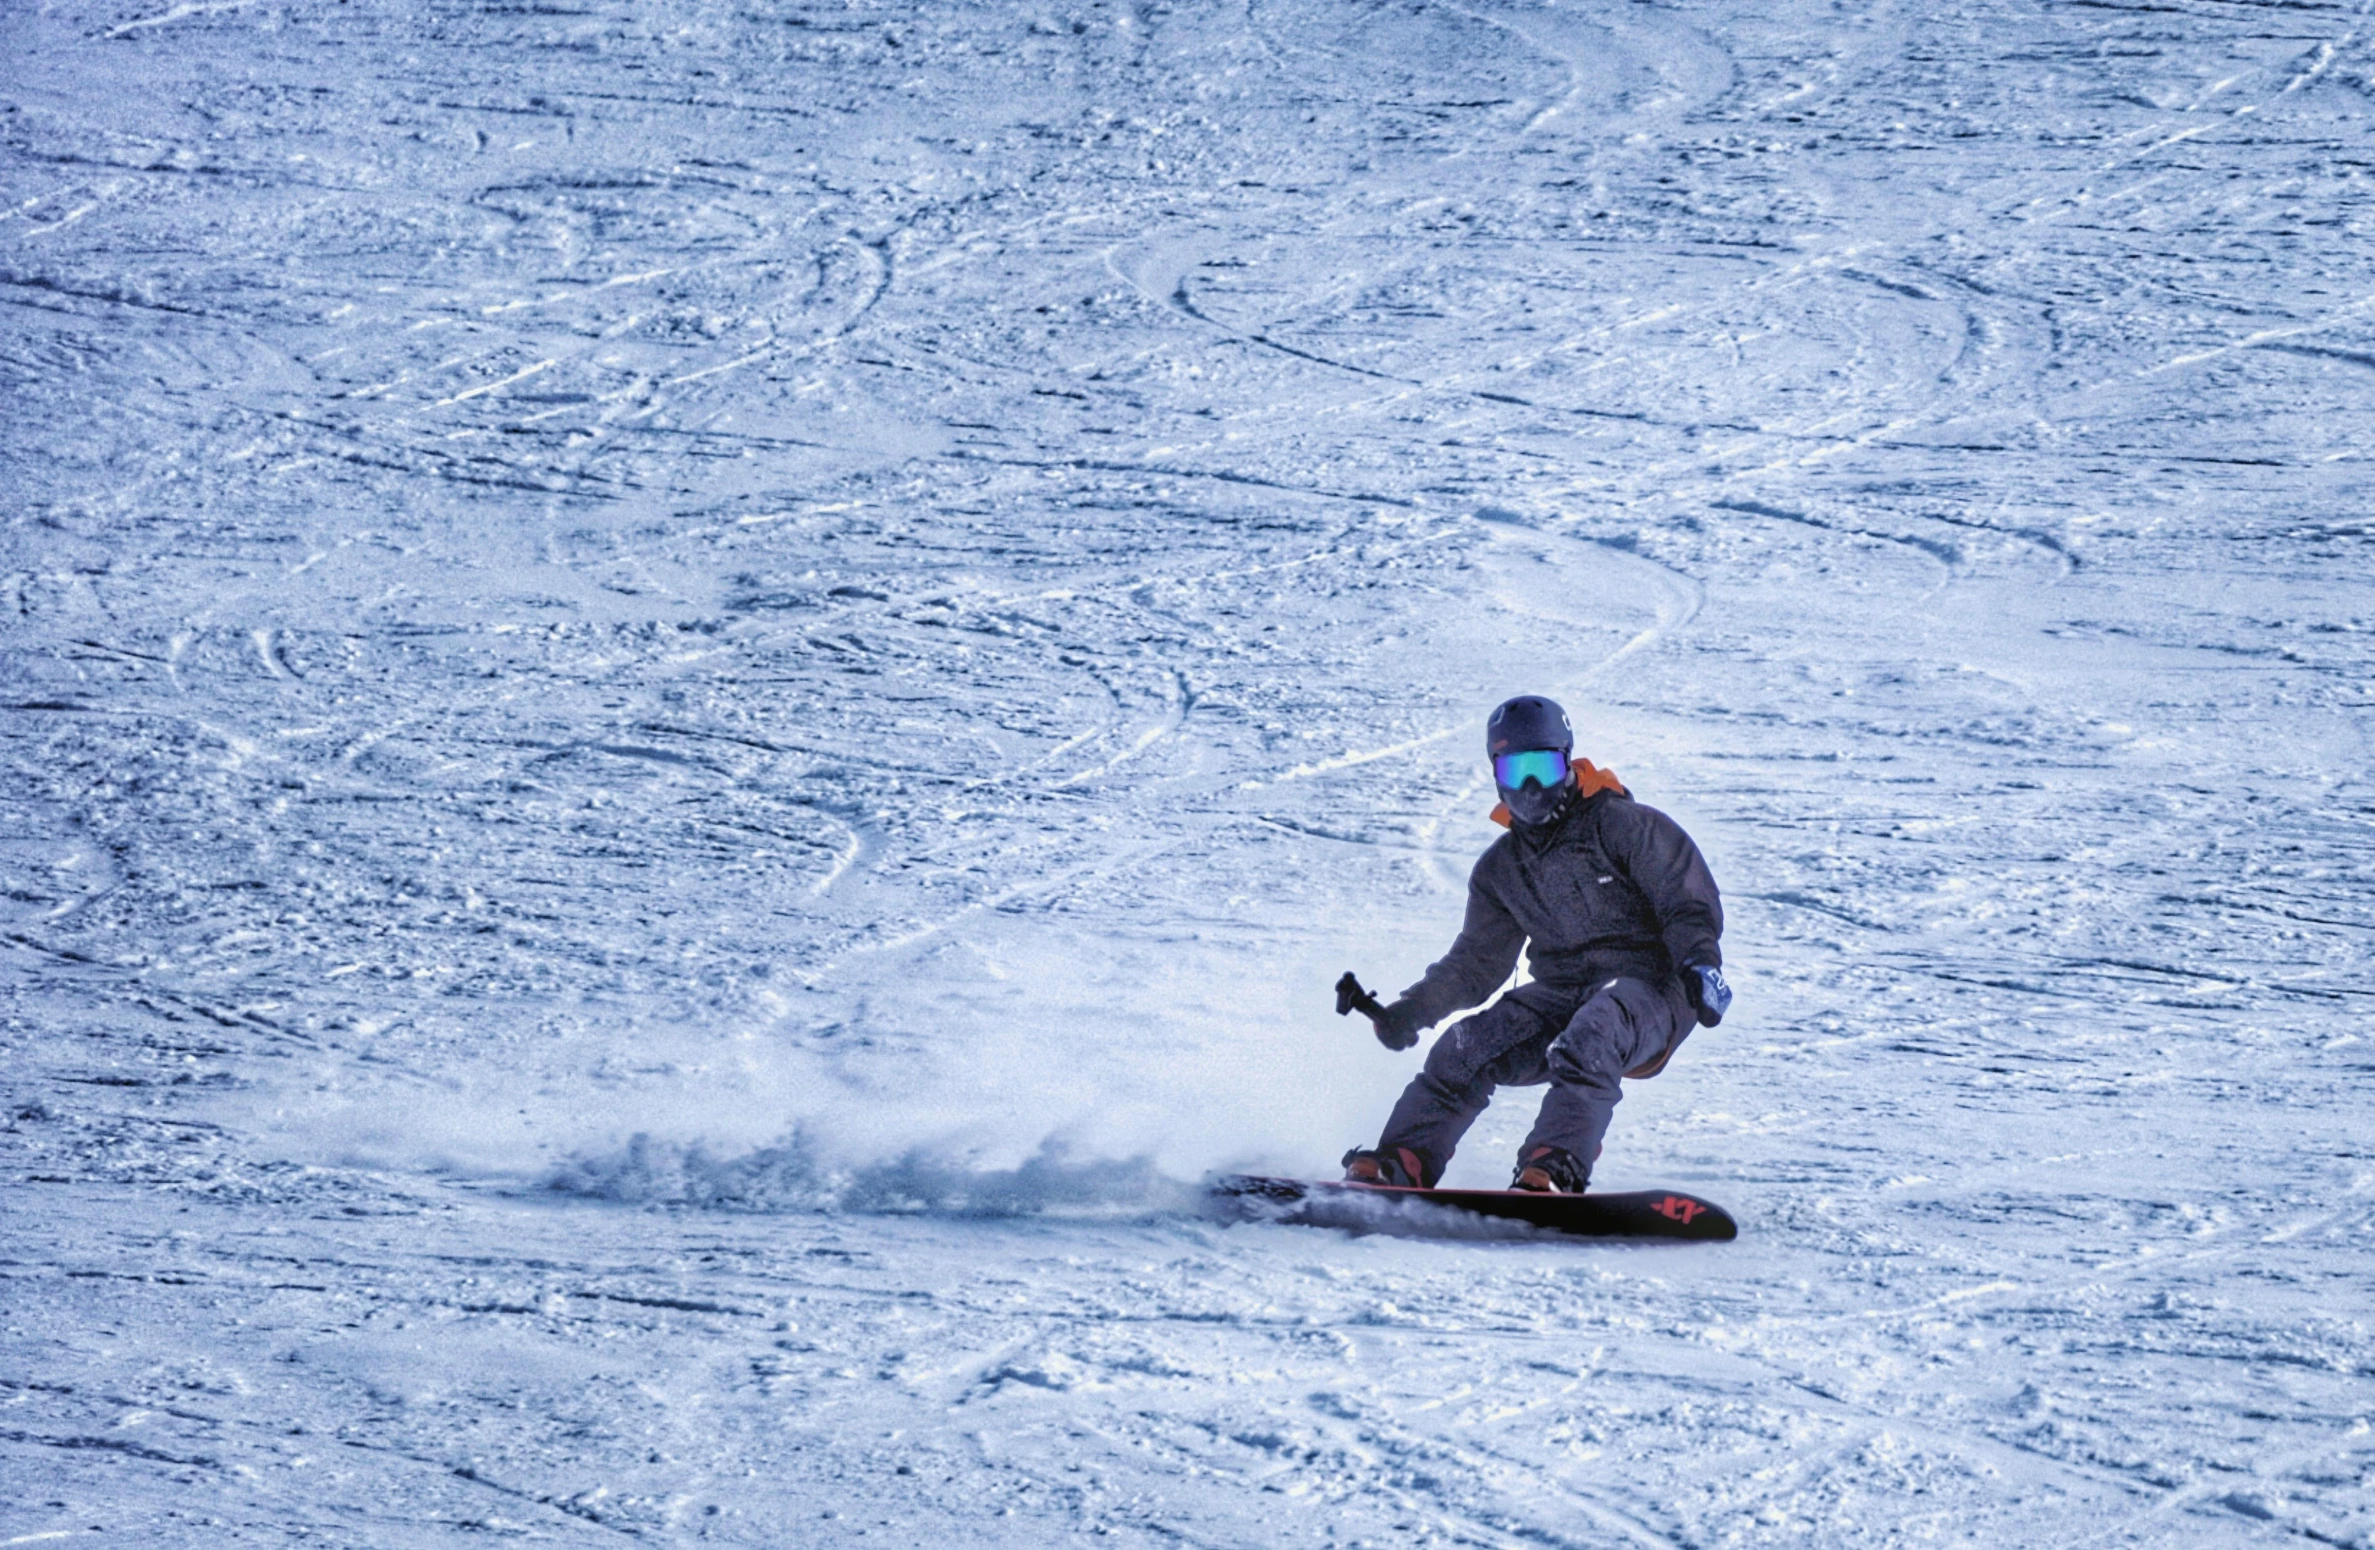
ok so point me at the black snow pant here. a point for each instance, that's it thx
(1579, 1038)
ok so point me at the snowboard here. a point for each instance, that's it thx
(1647, 1213)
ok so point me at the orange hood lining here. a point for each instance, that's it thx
(1590, 780)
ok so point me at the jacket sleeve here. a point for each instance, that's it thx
(1666, 866)
(1481, 957)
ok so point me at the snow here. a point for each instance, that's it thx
(699, 698)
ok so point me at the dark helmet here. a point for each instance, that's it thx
(1529, 721)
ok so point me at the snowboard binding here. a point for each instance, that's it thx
(1401, 1168)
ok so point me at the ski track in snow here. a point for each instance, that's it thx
(697, 700)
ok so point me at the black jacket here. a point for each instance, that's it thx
(1608, 888)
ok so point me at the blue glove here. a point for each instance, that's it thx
(1710, 996)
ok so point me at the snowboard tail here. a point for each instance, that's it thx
(1648, 1213)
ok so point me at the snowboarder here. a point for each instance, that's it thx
(1620, 918)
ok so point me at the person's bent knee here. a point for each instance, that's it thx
(1441, 1067)
(1454, 1063)
(1583, 1063)
(1594, 1047)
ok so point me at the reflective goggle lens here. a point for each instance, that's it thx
(1546, 767)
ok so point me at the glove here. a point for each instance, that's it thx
(1398, 1028)
(1710, 996)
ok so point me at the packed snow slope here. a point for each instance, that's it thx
(698, 697)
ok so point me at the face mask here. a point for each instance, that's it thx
(1534, 784)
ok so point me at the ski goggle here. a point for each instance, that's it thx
(1546, 767)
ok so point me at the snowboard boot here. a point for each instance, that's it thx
(1401, 1167)
(1551, 1170)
